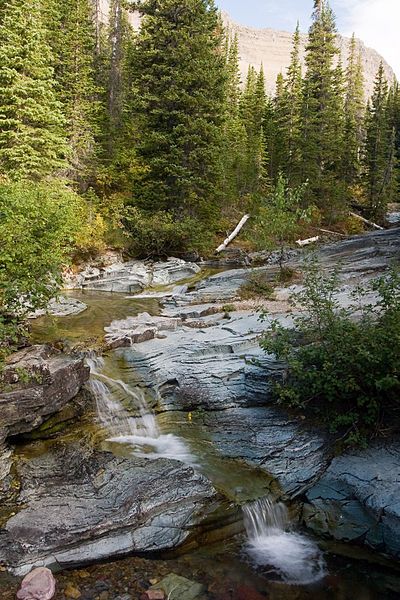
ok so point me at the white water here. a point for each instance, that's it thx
(292, 556)
(141, 433)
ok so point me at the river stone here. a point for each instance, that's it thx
(63, 306)
(134, 330)
(357, 498)
(40, 381)
(39, 584)
(77, 506)
(133, 276)
(180, 588)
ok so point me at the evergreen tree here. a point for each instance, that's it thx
(322, 114)
(379, 157)
(354, 111)
(32, 143)
(234, 132)
(72, 35)
(179, 73)
(290, 119)
(252, 112)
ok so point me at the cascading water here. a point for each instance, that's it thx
(290, 555)
(141, 433)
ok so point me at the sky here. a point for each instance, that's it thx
(376, 22)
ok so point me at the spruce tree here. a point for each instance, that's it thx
(322, 115)
(354, 110)
(72, 35)
(32, 143)
(179, 74)
(379, 157)
(290, 112)
(252, 112)
(234, 132)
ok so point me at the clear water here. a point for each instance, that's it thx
(271, 557)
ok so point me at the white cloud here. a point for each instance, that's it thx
(377, 23)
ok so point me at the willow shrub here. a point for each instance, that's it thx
(41, 224)
(343, 364)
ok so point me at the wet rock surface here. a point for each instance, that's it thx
(61, 307)
(357, 498)
(38, 382)
(77, 505)
(215, 367)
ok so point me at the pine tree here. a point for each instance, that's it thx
(379, 157)
(72, 35)
(234, 132)
(252, 112)
(322, 114)
(290, 119)
(32, 143)
(179, 73)
(354, 111)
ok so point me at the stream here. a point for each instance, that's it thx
(266, 554)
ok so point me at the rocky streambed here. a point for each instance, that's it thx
(82, 481)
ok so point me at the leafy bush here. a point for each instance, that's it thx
(343, 363)
(163, 234)
(278, 219)
(40, 225)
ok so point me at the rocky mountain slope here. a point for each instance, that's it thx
(271, 48)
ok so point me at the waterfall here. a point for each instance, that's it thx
(293, 557)
(142, 432)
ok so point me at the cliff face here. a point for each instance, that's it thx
(271, 48)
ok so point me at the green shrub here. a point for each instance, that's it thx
(343, 363)
(163, 234)
(40, 225)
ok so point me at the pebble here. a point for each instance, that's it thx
(71, 591)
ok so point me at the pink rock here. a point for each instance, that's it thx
(39, 584)
(153, 595)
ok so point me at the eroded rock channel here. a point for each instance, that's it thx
(175, 429)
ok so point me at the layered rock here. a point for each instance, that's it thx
(78, 506)
(357, 498)
(39, 381)
(132, 277)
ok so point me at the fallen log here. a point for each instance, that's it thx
(371, 223)
(308, 241)
(234, 234)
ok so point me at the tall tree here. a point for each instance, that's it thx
(322, 114)
(252, 112)
(290, 122)
(72, 35)
(234, 132)
(379, 157)
(354, 111)
(179, 73)
(32, 143)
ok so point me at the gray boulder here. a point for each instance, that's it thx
(78, 506)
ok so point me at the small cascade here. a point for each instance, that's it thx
(293, 557)
(142, 432)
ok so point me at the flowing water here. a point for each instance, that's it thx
(295, 558)
(141, 432)
(271, 557)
